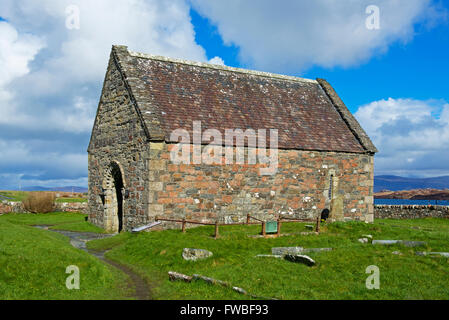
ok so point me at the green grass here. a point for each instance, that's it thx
(70, 221)
(339, 274)
(14, 196)
(34, 261)
(43, 219)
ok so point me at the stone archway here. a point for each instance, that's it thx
(113, 190)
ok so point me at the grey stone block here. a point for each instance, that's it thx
(300, 259)
(443, 254)
(402, 242)
(286, 250)
(195, 254)
(175, 276)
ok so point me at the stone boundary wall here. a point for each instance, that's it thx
(410, 211)
(380, 211)
(17, 207)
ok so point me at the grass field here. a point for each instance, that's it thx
(33, 262)
(13, 195)
(339, 274)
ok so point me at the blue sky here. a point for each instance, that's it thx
(417, 69)
(393, 79)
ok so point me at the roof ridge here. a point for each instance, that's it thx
(219, 67)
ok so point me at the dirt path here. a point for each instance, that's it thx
(79, 239)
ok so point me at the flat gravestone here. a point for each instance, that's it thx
(298, 258)
(385, 242)
(443, 254)
(282, 251)
(413, 243)
(403, 242)
(268, 256)
(195, 254)
(306, 250)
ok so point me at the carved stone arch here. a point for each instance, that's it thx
(113, 192)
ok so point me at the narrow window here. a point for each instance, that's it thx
(331, 185)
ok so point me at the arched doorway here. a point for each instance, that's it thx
(113, 189)
(325, 214)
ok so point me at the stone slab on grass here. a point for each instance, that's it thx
(413, 243)
(299, 258)
(175, 276)
(195, 254)
(282, 251)
(307, 250)
(269, 256)
(402, 242)
(210, 280)
(443, 254)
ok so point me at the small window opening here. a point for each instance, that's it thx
(331, 185)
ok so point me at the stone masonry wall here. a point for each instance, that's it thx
(17, 207)
(118, 136)
(300, 188)
(410, 211)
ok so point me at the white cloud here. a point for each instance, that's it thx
(291, 35)
(77, 120)
(51, 76)
(77, 58)
(217, 60)
(412, 135)
(17, 51)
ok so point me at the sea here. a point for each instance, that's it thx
(411, 202)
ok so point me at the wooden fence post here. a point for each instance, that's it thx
(216, 229)
(318, 220)
(263, 228)
(247, 218)
(183, 225)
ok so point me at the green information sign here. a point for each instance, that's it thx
(271, 227)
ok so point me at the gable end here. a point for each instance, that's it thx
(347, 116)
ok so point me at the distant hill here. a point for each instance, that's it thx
(415, 194)
(396, 183)
(62, 189)
(392, 183)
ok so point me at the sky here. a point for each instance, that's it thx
(387, 59)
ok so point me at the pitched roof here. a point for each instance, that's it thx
(170, 94)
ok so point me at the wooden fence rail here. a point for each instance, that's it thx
(248, 222)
